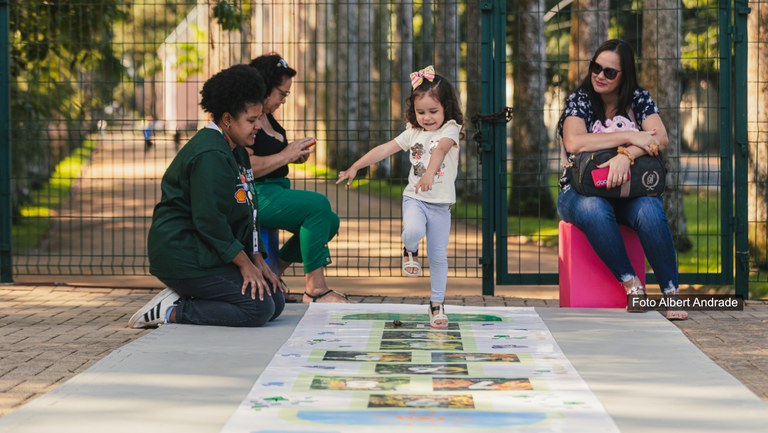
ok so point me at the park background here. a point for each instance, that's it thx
(85, 77)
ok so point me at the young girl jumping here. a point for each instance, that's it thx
(431, 137)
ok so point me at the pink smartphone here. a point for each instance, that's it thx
(600, 177)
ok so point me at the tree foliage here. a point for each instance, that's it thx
(231, 14)
(62, 62)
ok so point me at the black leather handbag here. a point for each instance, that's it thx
(647, 175)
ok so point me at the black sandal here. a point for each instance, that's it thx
(314, 298)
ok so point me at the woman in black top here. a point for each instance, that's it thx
(306, 214)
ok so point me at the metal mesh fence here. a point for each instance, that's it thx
(678, 59)
(139, 68)
(757, 139)
(89, 78)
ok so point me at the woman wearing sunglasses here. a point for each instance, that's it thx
(610, 89)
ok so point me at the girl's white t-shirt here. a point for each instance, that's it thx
(419, 145)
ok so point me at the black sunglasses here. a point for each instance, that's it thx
(596, 69)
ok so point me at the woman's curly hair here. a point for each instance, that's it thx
(274, 69)
(440, 89)
(230, 90)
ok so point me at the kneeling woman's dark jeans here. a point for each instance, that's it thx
(217, 301)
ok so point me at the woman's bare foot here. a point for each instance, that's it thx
(634, 287)
(317, 289)
(324, 296)
(674, 314)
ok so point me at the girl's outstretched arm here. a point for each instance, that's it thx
(372, 157)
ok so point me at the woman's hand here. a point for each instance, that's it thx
(348, 175)
(267, 273)
(646, 141)
(618, 171)
(252, 276)
(298, 151)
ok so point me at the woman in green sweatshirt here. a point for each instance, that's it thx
(203, 243)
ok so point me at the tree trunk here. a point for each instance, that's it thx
(447, 39)
(426, 52)
(757, 112)
(382, 77)
(402, 85)
(351, 78)
(660, 74)
(322, 93)
(529, 192)
(363, 44)
(338, 63)
(312, 58)
(589, 28)
(470, 189)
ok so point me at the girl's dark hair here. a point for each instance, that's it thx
(274, 69)
(440, 89)
(628, 78)
(230, 90)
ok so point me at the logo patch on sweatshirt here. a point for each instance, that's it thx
(241, 196)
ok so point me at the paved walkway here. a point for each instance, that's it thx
(48, 334)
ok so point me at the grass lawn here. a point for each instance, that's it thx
(37, 215)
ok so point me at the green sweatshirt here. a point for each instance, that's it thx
(206, 214)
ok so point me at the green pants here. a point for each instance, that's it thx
(306, 214)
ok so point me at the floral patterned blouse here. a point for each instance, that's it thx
(578, 104)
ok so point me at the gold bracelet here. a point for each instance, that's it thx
(624, 151)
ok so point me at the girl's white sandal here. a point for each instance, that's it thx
(411, 263)
(437, 317)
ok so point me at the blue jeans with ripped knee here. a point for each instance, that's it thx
(599, 219)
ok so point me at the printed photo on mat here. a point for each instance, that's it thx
(420, 345)
(459, 369)
(421, 335)
(474, 357)
(337, 355)
(432, 401)
(480, 384)
(417, 325)
(336, 383)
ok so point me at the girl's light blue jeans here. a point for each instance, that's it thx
(599, 219)
(432, 220)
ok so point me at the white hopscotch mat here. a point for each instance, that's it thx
(364, 368)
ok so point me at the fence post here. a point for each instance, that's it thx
(6, 267)
(741, 147)
(486, 258)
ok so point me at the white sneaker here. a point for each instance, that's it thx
(152, 314)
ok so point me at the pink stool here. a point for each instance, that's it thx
(585, 280)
